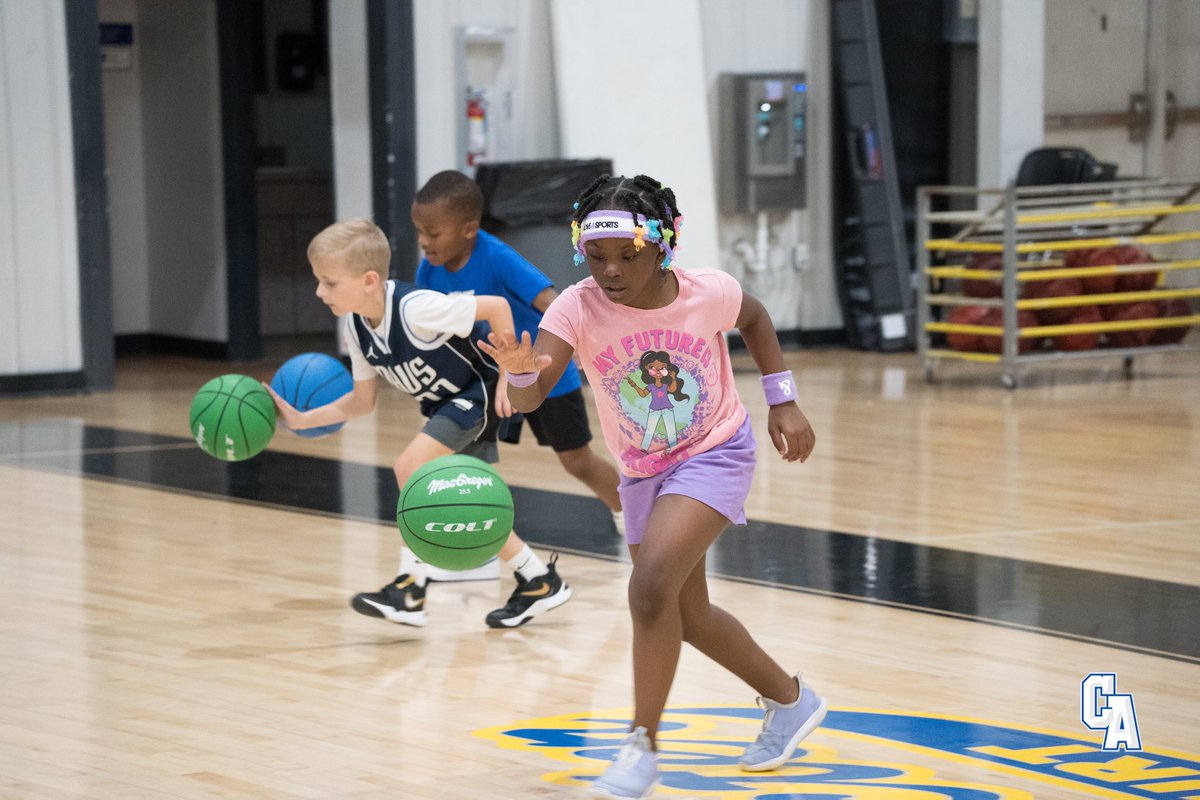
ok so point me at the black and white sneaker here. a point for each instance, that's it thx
(531, 598)
(401, 601)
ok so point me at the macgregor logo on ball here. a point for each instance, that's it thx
(472, 481)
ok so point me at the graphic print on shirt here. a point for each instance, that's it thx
(660, 381)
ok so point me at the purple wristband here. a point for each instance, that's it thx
(779, 388)
(523, 379)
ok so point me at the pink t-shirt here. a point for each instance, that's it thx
(661, 376)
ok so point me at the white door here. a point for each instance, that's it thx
(1122, 81)
(1113, 70)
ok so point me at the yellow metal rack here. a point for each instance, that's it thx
(1036, 231)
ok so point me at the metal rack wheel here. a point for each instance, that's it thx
(1127, 367)
(1009, 380)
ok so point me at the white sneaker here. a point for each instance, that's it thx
(487, 572)
(783, 728)
(633, 773)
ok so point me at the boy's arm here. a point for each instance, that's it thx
(789, 428)
(544, 298)
(355, 403)
(496, 311)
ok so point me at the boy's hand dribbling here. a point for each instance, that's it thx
(514, 355)
(287, 414)
(790, 431)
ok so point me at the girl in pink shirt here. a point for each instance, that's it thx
(650, 338)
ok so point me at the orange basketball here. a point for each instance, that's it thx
(966, 315)
(995, 344)
(1058, 287)
(1175, 307)
(975, 287)
(1080, 341)
(1131, 311)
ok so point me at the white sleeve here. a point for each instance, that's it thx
(359, 368)
(430, 318)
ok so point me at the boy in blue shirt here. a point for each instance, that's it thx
(460, 258)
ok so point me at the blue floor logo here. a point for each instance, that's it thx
(1103, 709)
(866, 754)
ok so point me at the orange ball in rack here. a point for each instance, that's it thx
(1129, 282)
(995, 344)
(1099, 284)
(966, 315)
(1092, 284)
(1175, 307)
(976, 287)
(1076, 258)
(1058, 287)
(1075, 342)
(1128, 312)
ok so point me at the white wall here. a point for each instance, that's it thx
(780, 36)
(1011, 67)
(350, 109)
(1181, 75)
(181, 127)
(641, 98)
(1095, 58)
(1100, 52)
(439, 102)
(39, 256)
(124, 146)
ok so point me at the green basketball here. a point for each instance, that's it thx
(455, 512)
(232, 417)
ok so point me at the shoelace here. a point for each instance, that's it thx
(767, 736)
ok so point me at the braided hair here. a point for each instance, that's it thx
(640, 195)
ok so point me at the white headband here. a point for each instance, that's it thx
(611, 224)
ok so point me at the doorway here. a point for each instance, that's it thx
(219, 154)
(293, 170)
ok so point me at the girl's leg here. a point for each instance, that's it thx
(652, 420)
(720, 636)
(678, 533)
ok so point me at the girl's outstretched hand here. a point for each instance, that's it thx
(514, 355)
(792, 435)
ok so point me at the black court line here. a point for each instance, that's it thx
(1137, 614)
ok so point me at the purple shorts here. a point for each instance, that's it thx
(719, 478)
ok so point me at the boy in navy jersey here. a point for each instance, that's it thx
(421, 342)
(462, 259)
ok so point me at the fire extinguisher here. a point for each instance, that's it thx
(476, 129)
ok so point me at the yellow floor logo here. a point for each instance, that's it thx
(699, 749)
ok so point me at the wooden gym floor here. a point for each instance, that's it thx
(946, 569)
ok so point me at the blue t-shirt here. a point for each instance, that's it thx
(495, 268)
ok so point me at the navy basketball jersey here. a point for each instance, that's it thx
(424, 347)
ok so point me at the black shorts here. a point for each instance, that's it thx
(559, 422)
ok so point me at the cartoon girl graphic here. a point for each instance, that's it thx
(662, 381)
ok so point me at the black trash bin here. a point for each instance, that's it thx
(528, 205)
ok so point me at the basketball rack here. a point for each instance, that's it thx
(1034, 228)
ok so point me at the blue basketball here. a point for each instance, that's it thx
(310, 380)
